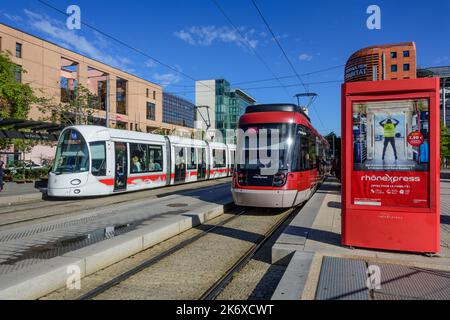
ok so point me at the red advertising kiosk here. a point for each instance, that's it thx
(390, 165)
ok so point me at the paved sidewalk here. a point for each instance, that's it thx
(29, 245)
(321, 268)
(14, 192)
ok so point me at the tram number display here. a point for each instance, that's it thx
(391, 153)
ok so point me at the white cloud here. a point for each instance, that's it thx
(305, 57)
(150, 63)
(12, 17)
(58, 33)
(208, 35)
(166, 79)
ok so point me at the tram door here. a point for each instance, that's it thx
(180, 164)
(232, 161)
(201, 165)
(121, 166)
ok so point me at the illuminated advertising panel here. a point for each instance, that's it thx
(391, 153)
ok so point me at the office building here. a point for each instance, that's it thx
(178, 111)
(384, 62)
(218, 105)
(444, 74)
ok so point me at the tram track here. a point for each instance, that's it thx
(148, 263)
(43, 210)
(216, 289)
(219, 283)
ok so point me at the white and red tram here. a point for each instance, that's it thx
(301, 164)
(93, 161)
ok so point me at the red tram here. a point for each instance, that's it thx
(299, 168)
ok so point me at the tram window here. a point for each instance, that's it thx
(72, 154)
(98, 153)
(219, 158)
(179, 156)
(138, 153)
(305, 156)
(146, 158)
(155, 158)
(191, 159)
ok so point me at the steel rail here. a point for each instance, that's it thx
(148, 263)
(61, 202)
(213, 292)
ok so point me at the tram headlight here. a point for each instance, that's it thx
(75, 182)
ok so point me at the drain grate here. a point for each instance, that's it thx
(404, 282)
(346, 279)
(342, 279)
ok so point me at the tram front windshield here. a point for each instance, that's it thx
(72, 155)
(278, 136)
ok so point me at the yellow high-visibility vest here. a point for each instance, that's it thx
(389, 130)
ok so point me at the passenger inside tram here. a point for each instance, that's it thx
(154, 166)
(136, 165)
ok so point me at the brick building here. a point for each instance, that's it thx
(384, 62)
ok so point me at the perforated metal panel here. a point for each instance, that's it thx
(403, 282)
(342, 279)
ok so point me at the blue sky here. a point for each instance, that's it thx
(194, 37)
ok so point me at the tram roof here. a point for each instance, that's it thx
(276, 107)
(96, 133)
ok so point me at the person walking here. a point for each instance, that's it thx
(1, 175)
(389, 135)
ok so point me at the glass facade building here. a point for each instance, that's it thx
(230, 105)
(444, 74)
(178, 111)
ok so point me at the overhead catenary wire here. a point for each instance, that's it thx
(250, 46)
(103, 33)
(286, 57)
(141, 52)
(269, 79)
(269, 87)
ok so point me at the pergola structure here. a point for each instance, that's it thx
(36, 130)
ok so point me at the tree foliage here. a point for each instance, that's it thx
(77, 111)
(15, 98)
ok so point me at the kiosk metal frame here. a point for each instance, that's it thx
(388, 206)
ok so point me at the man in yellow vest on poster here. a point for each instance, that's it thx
(389, 134)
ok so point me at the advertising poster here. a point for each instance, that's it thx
(391, 153)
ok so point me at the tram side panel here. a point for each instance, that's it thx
(218, 160)
(147, 168)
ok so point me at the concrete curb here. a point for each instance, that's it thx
(40, 279)
(293, 282)
(8, 200)
(296, 233)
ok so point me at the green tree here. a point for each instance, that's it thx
(445, 141)
(77, 111)
(15, 98)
